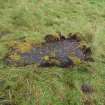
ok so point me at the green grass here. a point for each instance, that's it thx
(52, 86)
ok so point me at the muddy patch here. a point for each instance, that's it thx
(55, 50)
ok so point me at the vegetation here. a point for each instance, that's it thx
(34, 19)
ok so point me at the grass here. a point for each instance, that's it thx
(52, 86)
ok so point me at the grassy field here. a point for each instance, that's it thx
(52, 86)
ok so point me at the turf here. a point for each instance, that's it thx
(52, 86)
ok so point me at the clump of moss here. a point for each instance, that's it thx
(54, 37)
(24, 47)
(15, 56)
(75, 59)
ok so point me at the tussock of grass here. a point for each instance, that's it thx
(52, 86)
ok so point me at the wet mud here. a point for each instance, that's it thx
(53, 51)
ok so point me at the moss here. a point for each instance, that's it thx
(46, 58)
(24, 47)
(21, 47)
(15, 57)
(75, 59)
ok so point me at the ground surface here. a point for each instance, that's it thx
(52, 86)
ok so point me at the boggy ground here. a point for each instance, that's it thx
(57, 50)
